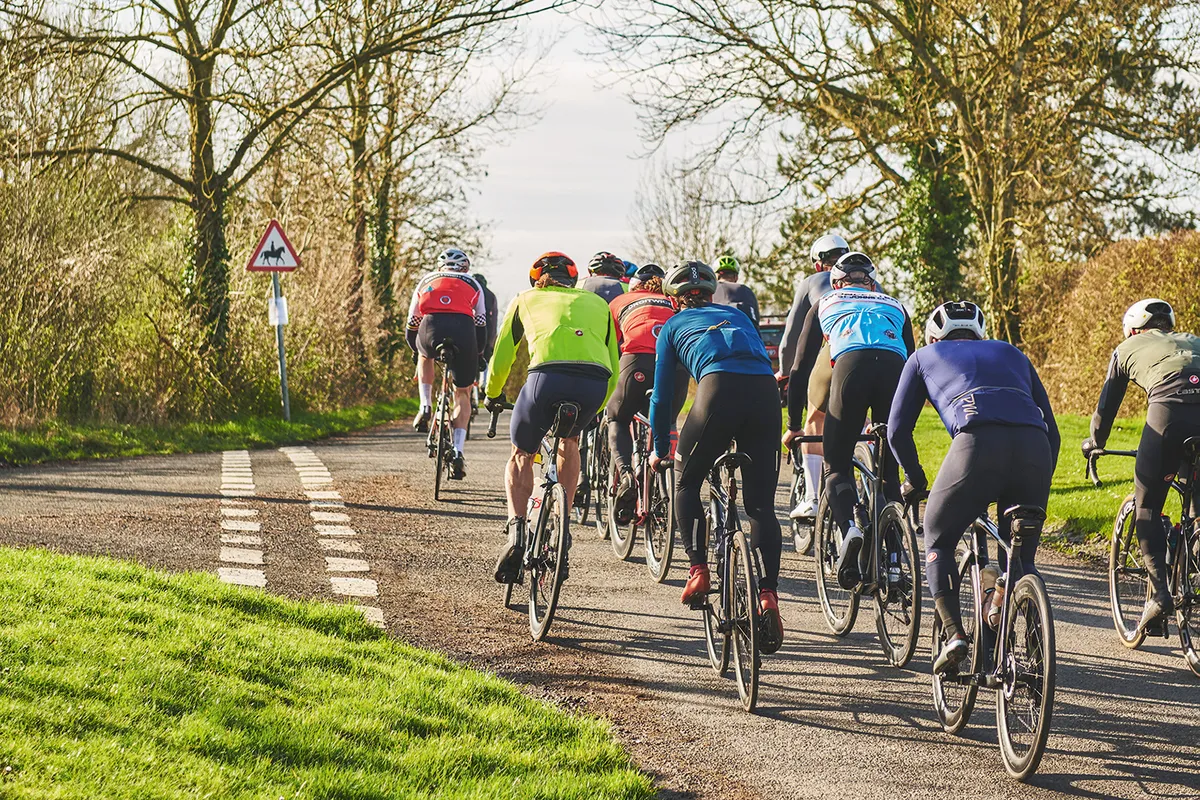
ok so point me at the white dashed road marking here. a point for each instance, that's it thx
(314, 476)
(237, 523)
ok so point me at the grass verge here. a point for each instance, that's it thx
(1080, 515)
(55, 441)
(120, 682)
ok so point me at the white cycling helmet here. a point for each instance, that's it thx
(455, 260)
(1141, 312)
(957, 315)
(853, 261)
(828, 246)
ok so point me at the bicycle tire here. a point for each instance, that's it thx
(583, 492)
(903, 603)
(545, 573)
(954, 702)
(660, 525)
(744, 633)
(1187, 600)
(622, 537)
(1029, 618)
(838, 606)
(803, 533)
(1128, 586)
(717, 642)
(441, 460)
(601, 487)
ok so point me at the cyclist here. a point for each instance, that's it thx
(1004, 446)
(1165, 363)
(572, 357)
(448, 305)
(493, 315)
(736, 401)
(731, 293)
(639, 315)
(606, 273)
(824, 252)
(870, 336)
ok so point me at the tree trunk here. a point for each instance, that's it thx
(383, 253)
(999, 250)
(359, 212)
(209, 295)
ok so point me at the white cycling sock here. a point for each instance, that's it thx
(460, 439)
(812, 474)
(426, 390)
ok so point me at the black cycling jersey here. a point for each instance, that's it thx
(738, 295)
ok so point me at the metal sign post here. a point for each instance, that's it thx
(275, 254)
(280, 319)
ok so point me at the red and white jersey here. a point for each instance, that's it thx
(447, 292)
(639, 317)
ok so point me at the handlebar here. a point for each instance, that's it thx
(1094, 456)
(491, 431)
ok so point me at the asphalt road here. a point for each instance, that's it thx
(350, 518)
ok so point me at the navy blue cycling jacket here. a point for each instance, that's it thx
(970, 383)
(710, 339)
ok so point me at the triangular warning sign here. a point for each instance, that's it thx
(274, 252)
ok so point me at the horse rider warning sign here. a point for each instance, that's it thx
(274, 252)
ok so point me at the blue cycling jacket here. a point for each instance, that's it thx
(969, 383)
(858, 319)
(711, 339)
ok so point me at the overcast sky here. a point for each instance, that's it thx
(566, 182)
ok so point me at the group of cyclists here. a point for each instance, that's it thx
(627, 339)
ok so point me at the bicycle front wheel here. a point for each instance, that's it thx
(1187, 600)
(840, 606)
(660, 525)
(545, 573)
(1128, 585)
(898, 596)
(954, 701)
(802, 530)
(1025, 699)
(439, 461)
(601, 487)
(587, 478)
(744, 616)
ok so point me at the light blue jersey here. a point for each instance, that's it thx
(858, 319)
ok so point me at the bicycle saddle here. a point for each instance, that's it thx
(732, 461)
(1026, 519)
(445, 350)
(566, 414)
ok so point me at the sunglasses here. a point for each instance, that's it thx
(555, 261)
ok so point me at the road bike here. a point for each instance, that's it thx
(591, 499)
(439, 442)
(1022, 670)
(654, 507)
(802, 529)
(888, 562)
(731, 619)
(547, 537)
(1128, 584)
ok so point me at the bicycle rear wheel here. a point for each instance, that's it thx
(802, 531)
(898, 598)
(1128, 586)
(744, 612)
(840, 606)
(545, 573)
(601, 478)
(1187, 600)
(1025, 699)
(623, 536)
(660, 525)
(953, 701)
(583, 492)
(717, 641)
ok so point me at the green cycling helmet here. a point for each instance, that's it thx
(728, 264)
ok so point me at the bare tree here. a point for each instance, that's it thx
(193, 73)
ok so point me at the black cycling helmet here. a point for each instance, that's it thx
(694, 276)
(605, 263)
(648, 271)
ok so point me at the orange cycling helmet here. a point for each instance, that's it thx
(557, 264)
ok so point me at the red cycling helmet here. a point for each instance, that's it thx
(555, 263)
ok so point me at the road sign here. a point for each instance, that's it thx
(274, 252)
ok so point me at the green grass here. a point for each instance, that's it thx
(1079, 514)
(120, 682)
(56, 441)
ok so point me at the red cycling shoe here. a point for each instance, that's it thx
(698, 584)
